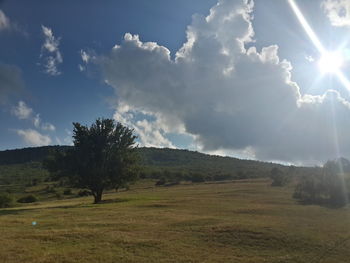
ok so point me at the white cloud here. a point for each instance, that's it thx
(33, 137)
(50, 53)
(68, 139)
(37, 121)
(4, 21)
(7, 25)
(22, 111)
(81, 67)
(338, 12)
(44, 126)
(85, 56)
(228, 97)
(310, 58)
(48, 127)
(150, 133)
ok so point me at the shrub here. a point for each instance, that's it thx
(161, 181)
(221, 177)
(82, 193)
(58, 196)
(242, 175)
(27, 199)
(6, 200)
(50, 189)
(328, 186)
(278, 177)
(172, 183)
(67, 192)
(197, 178)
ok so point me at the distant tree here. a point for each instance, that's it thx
(325, 186)
(334, 183)
(6, 200)
(103, 157)
(278, 177)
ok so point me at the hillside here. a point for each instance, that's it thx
(156, 161)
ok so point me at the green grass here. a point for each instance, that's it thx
(242, 221)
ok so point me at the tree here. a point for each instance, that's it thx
(278, 177)
(103, 157)
(326, 186)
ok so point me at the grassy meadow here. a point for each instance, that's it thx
(237, 221)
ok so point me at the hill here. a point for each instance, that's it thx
(157, 162)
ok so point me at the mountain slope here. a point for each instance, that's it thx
(156, 161)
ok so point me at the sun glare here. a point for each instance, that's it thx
(330, 62)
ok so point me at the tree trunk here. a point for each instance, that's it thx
(97, 196)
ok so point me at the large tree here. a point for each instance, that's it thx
(103, 157)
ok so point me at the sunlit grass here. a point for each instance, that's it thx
(246, 221)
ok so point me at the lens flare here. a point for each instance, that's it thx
(330, 62)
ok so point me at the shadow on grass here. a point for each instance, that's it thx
(114, 200)
(4, 212)
(15, 210)
(322, 203)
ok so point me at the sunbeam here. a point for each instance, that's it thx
(311, 34)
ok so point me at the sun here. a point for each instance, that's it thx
(330, 62)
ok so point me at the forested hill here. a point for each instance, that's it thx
(26, 155)
(157, 160)
(190, 161)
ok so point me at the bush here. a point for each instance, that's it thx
(6, 200)
(221, 177)
(197, 178)
(67, 192)
(161, 181)
(82, 193)
(328, 186)
(50, 189)
(278, 177)
(27, 199)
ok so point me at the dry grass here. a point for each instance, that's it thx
(246, 221)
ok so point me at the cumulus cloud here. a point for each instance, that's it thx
(151, 132)
(10, 82)
(50, 53)
(338, 12)
(33, 137)
(227, 96)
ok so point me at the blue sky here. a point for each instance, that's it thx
(226, 77)
(75, 96)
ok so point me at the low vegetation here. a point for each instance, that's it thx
(6, 200)
(239, 221)
(28, 199)
(327, 186)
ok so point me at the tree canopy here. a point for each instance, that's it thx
(103, 157)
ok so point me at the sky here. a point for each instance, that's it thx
(265, 80)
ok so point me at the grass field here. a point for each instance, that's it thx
(241, 221)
